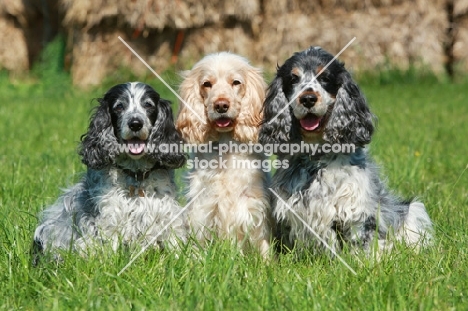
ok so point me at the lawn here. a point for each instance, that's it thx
(420, 144)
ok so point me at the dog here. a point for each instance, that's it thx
(336, 197)
(222, 98)
(127, 195)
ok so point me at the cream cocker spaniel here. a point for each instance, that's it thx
(222, 102)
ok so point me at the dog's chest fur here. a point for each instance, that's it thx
(234, 202)
(128, 209)
(332, 197)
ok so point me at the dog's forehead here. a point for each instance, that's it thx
(301, 64)
(136, 91)
(310, 64)
(221, 65)
(221, 73)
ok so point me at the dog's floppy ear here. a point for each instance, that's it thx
(191, 120)
(351, 120)
(250, 116)
(165, 133)
(98, 146)
(279, 124)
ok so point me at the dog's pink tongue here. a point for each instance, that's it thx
(223, 122)
(136, 146)
(310, 122)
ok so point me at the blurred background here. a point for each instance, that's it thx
(427, 35)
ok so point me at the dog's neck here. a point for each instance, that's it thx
(225, 137)
(137, 178)
(139, 169)
(356, 158)
(140, 174)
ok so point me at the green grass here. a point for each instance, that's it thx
(420, 143)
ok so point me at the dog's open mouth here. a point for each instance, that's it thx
(135, 146)
(223, 122)
(310, 122)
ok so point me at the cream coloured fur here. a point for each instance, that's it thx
(235, 203)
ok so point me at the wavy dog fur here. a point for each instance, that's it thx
(340, 196)
(124, 197)
(226, 93)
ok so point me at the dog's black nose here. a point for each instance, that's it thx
(221, 105)
(308, 100)
(135, 124)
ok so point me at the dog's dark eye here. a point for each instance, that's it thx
(148, 104)
(324, 79)
(236, 82)
(294, 78)
(119, 108)
(207, 84)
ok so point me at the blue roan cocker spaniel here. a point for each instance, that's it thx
(127, 194)
(338, 195)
